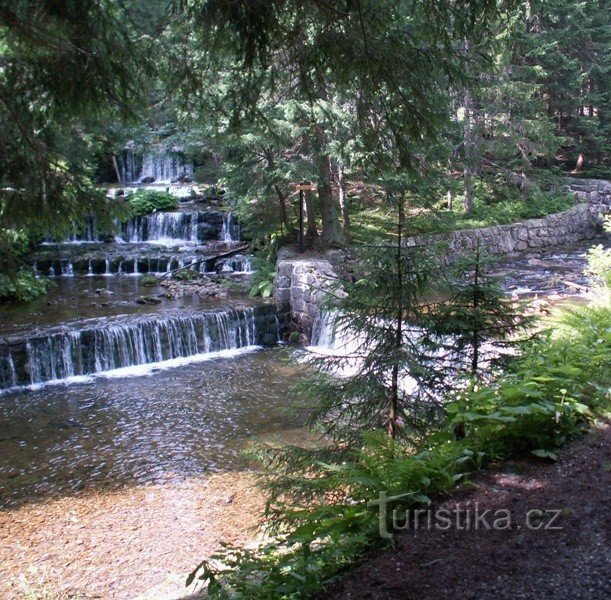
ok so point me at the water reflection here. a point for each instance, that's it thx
(142, 430)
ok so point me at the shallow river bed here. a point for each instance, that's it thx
(108, 469)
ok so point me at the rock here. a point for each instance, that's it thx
(148, 300)
(147, 180)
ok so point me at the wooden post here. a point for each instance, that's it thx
(302, 187)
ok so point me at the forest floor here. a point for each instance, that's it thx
(570, 563)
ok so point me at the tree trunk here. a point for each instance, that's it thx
(580, 163)
(343, 203)
(116, 166)
(468, 153)
(475, 339)
(282, 205)
(331, 230)
(393, 409)
(311, 232)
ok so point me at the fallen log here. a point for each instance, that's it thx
(581, 288)
(216, 256)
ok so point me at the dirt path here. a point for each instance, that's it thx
(568, 564)
(132, 543)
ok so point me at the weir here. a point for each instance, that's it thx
(191, 235)
(110, 344)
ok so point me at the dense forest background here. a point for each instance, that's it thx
(485, 104)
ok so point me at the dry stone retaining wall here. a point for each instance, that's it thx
(302, 281)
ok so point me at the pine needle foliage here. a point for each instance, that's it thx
(378, 374)
(63, 65)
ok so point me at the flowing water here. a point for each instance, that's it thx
(170, 425)
(104, 396)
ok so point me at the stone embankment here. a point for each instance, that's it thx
(302, 281)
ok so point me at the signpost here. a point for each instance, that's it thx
(302, 187)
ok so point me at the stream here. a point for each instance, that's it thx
(107, 402)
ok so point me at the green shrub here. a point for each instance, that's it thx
(148, 280)
(599, 261)
(321, 520)
(23, 286)
(144, 202)
(263, 278)
(186, 275)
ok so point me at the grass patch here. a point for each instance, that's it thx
(369, 225)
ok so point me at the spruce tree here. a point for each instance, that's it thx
(378, 374)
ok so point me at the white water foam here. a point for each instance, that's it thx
(138, 370)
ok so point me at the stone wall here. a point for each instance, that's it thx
(302, 280)
(302, 284)
(581, 222)
(596, 192)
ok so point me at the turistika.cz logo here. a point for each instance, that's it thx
(460, 517)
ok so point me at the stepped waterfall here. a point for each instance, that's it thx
(160, 166)
(116, 344)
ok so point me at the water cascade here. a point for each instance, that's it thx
(172, 228)
(91, 266)
(230, 231)
(159, 166)
(90, 234)
(118, 343)
(165, 167)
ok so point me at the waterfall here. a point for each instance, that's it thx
(160, 166)
(141, 341)
(164, 228)
(165, 167)
(230, 232)
(329, 335)
(129, 166)
(88, 235)
(236, 264)
(167, 228)
(118, 265)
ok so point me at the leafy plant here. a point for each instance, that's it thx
(319, 511)
(22, 286)
(144, 202)
(186, 275)
(263, 278)
(148, 280)
(599, 261)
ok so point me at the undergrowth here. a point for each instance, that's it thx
(320, 521)
(144, 202)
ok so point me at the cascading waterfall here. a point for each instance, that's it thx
(165, 167)
(119, 265)
(88, 235)
(117, 345)
(172, 228)
(160, 166)
(164, 228)
(329, 335)
(230, 232)
(129, 166)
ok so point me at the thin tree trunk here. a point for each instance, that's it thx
(311, 231)
(476, 340)
(468, 154)
(393, 409)
(343, 203)
(331, 232)
(116, 166)
(282, 205)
